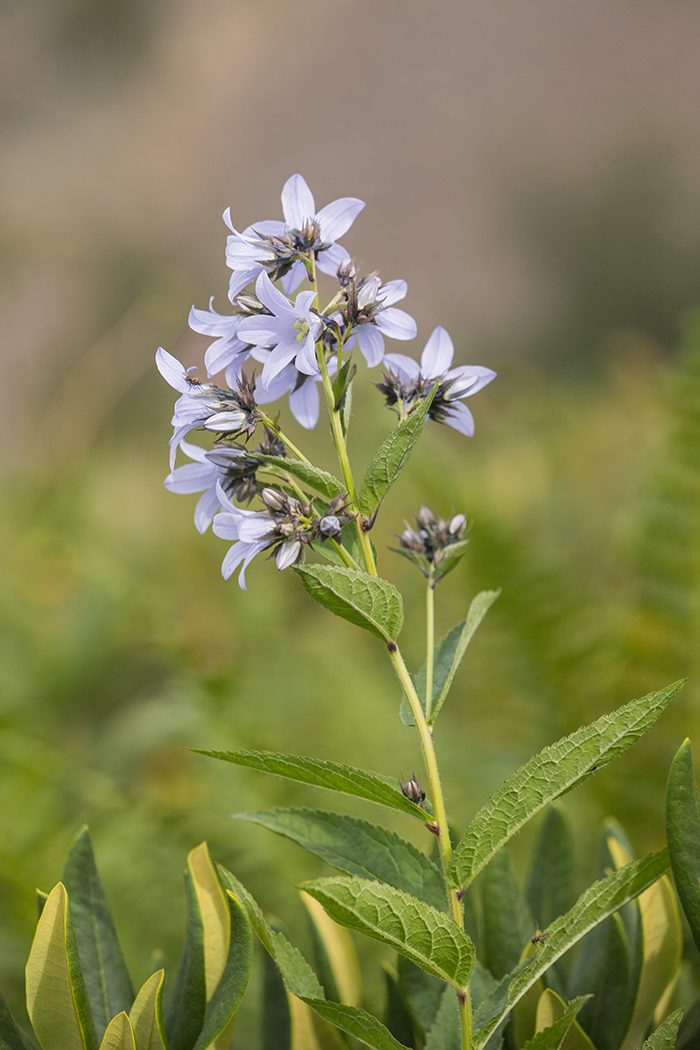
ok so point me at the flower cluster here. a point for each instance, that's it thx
(436, 544)
(296, 346)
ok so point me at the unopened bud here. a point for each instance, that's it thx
(457, 524)
(273, 499)
(330, 526)
(225, 422)
(412, 789)
(288, 554)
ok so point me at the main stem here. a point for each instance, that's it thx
(440, 815)
(429, 646)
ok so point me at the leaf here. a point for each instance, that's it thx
(357, 1022)
(507, 924)
(396, 1016)
(607, 1016)
(146, 1014)
(185, 1014)
(57, 1002)
(358, 848)
(367, 601)
(11, 1035)
(449, 653)
(683, 833)
(445, 1033)
(595, 904)
(391, 457)
(550, 882)
(275, 1017)
(107, 982)
(214, 914)
(222, 1007)
(423, 934)
(554, 1021)
(422, 994)
(119, 1034)
(548, 775)
(317, 479)
(342, 392)
(320, 773)
(334, 944)
(664, 1037)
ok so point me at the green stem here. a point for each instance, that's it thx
(466, 1021)
(429, 646)
(284, 439)
(343, 460)
(345, 555)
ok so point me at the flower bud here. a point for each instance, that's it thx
(457, 524)
(224, 422)
(273, 499)
(413, 790)
(330, 526)
(288, 554)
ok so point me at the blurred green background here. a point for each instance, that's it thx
(532, 172)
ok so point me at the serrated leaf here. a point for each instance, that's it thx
(11, 1035)
(426, 936)
(185, 1014)
(683, 833)
(449, 653)
(444, 1033)
(340, 960)
(146, 1015)
(550, 882)
(358, 848)
(421, 992)
(607, 1016)
(548, 775)
(107, 982)
(342, 392)
(595, 904)
(390, 458)
(222, 1007)
(57, 1002)
(367, 601)
(554, 1022)
(320, 773)
(507, 925)
(689, 1031)
(119, 1034)
(317, 479)
(664, 1037)
(357, 1022)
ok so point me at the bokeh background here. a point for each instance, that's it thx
(532, 169)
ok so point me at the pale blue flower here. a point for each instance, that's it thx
(289, 331)
(373, 316)
(227, 352)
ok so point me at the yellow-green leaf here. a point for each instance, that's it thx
(214, 913)
(340, 951)
(550, 1009)
(56, 1000)
(146, 1014)
(119, 1034)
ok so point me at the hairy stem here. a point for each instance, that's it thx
(429, 646)
(345, 555)
(284, 439)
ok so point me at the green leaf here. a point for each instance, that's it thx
(547, 776)
(607, 1016)
(185, 1014)
(390, 458)
(423, 934)
(507, 925)
(342, 392)
(664, 1037)
(146, 1015)
(107, 982)
(689, 1032)
(358, 848)
(396, 1016)
(319, 480)
(338, 965)
(119, 1034)
(222, 1007)
(57, 1002)
(11, 1035)
(367, 601)
(595, 904)
(215, 915)
(422, 994)
(550, 882)
(357, 1022)
(319, 773)
(275, 1018)
(683, 833)
(552, 1035)
(449, 653)
(445, 1033)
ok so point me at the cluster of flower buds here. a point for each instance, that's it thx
(285, 526)
(297, 344)
(435, 545)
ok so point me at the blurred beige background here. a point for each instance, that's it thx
(530, 167)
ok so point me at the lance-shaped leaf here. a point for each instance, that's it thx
(683, 833)
(214, 913)
(358, 848)
(390, 458)
(607, 1016)
(664, 1038)
(224, 1002)
(107, 982)
(302, 981)
(320, 773)
(367, 601)
(146, 1015)
(422, 994)
(554, 1022)
(11, 1035)
(276, 1022)
(319, 480)
(426, 936)
(57, 1002)
(548, 775)
(595, 904)
(396, 1016)
(508, 926)
(449, 653)
(338, 965)
(119, 1034)
(550, 881)
(185, 1014)
(444, 1033)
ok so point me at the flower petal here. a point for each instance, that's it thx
(266, 228)
(224, 352)
(210, 322)
(306, 357)
(191, 477)
(241, 278)
(396, 324)
(330, 260)
(479, 376)
(195, 452)
(254, 527)
(207, 506)
(393, 292)
(172, 371)
(264, 330)
(459, 417)
(437, 354)
(280, 356)
(304, 403)
(297, 202)
(338, 216)
(272, 297)
(371, 343)
(291, 281)
(279, 385)
(403, 366)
